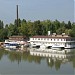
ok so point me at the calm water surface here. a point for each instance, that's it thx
(12, 62)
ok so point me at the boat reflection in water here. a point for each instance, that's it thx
(55, 57)
(52, 53)
(37, 62)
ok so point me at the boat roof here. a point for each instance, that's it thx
(54, 36)
(17, 36)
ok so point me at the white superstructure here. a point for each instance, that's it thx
(15, 41)
(63, 41)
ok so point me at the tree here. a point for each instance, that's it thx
(37, 28)
(19, 22)
(12, 30)
(69, 25)
(72, 33)
(52, 28)
(24, 28)
(60, 30)
(30, 28)
(1, 24)
(57, 24)
(6, 26)
(3, 34)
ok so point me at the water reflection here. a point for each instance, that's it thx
(14, 56)
(56, 59)
(53, 60)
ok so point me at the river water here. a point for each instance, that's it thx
(22, 63)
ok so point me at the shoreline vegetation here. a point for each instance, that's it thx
(38, 27)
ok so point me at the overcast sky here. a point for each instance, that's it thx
(62, 10)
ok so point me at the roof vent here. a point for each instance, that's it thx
(54, 34)
(63, 34)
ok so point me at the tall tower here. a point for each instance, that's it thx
(17, 15)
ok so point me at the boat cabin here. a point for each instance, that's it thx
(53, 40)
(18, 39)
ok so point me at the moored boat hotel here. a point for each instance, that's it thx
(53, 41)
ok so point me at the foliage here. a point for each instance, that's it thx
(38, 27)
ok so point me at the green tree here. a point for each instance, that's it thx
(1, 24)
(57, 24)
(69, 25)
(12, 30)
(19, 22)
(24, 28)
(73, 31)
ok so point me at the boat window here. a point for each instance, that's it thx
(69, 43)
(38, 38)
(58, 39)
(47, 38)
(41, 38)
(33, 38)
(13, 44)
(44, 38)
(6, 43)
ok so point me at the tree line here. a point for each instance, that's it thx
(37, 27)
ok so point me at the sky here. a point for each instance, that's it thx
(74, 10)
(62, 10)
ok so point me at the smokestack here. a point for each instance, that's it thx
(17, 15)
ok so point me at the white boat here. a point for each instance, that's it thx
(62, 40)
(11, 44)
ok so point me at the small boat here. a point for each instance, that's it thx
(11, 45)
